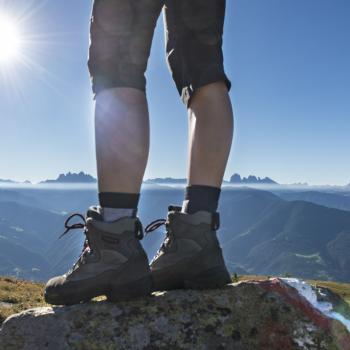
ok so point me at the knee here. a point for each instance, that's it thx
(110, 74)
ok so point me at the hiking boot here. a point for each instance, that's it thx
(113, 263)
(190, 256)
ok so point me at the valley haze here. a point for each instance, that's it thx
(270, 229)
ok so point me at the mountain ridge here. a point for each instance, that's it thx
(251, 179)
(69, 177)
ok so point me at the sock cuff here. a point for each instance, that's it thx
(119, 200)
(203, 190)
(201, 197)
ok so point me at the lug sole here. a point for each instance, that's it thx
(135, 289)
(212, 278)
(114, 293)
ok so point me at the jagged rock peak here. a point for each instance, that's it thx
(251, 179)
(70, 177)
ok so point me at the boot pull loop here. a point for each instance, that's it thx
(215, 222)
(139, 229)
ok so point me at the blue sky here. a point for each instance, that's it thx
(287, 60)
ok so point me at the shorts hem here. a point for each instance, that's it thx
(188, 91)
(98, 87)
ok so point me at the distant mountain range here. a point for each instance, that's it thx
(72, 178)
(251, 179)
(235, 179)
(14, 182)
(81, 177)
(165, 180)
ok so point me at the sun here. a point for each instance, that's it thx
(10, 40)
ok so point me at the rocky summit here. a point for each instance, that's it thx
(252, 315)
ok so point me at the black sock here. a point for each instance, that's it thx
(199, 197)
(119, 200)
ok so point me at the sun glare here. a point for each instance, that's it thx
(10, 40)
(27, 48)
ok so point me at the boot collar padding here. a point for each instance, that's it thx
(200, 217)
(117, 227)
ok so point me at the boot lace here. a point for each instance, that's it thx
(76, 226)
(87, 247)
(154, 225)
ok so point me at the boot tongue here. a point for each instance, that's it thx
(175, 208)
(174, 211)
(94, 213)
(200, 217)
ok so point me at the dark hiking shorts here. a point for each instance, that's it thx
(121, 37)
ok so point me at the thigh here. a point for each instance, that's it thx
(196, 18)
(121, 36)
(194, 31)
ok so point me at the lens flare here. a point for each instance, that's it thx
(10, 40)
(27, 46)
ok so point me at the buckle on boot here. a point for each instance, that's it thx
(215, 221)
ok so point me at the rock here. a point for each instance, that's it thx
(251, 179)
(248, 315)
(339, 305)
(236, 179)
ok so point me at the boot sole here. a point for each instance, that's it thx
(114, 293)
(131, 290)
(212, 278)
(216, 277)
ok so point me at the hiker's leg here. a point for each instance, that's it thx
(194, 38)
(122, 139)
(122, 144)
(121, 36)
(194, 47)
(114, 262)
(210, 134)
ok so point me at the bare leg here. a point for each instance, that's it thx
(210, 135)
(122, 139)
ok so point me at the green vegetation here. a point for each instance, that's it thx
(18, 295)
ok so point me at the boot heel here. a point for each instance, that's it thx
(210, 279)
(139, 288)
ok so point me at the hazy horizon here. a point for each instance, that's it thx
(226, 185)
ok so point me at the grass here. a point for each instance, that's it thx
(18, 295)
